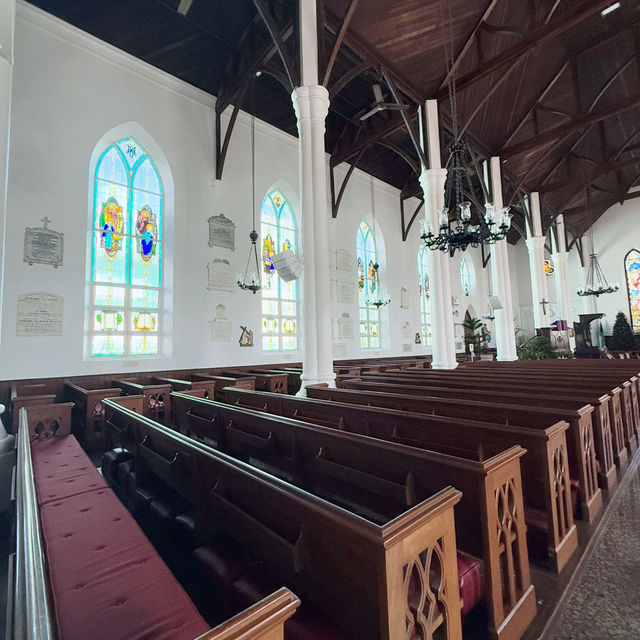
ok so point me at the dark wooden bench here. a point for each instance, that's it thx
(364, 468)
(274, 382)
(220, 381)
(83, 569)
(545, 471)
(330, 554)
(208, 387)
(88, 413)
(601, 417)
(157, 397)
(26, 395)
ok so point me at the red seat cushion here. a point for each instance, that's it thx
(108, 582)
(62, 469)
(470, 580)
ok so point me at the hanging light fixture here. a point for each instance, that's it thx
(458, 227)
(374, 274)
(251, 281)
(596, 283)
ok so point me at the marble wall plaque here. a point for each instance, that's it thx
(340, 350)
(345, 327)
(222, 232)
(344, 261)
(405, 332)
(404, 298)
(221, 275)
(407, 348)
(39, 314)
(220, 326)
(345, 292)
(43, 245)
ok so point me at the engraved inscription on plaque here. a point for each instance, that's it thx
(345, 292)
(344, 260)
(221, 276)
(345, 327)
(222, 232)
(39, 314)
(220, 325)
(43, 245)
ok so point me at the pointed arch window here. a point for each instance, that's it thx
(125, 277)
(632, 273)
(278, 231)
(423, 290)
(465, 277)
(367, 257)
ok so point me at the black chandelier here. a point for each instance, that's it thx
(596, 283)
(491, 225)
(252, 282)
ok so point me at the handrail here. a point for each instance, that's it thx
(33, 616)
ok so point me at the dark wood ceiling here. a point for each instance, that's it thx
(552, 86)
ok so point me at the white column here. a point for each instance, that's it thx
(535, 246)
(311, 104)
(432, 183)
(560, 262)
(7, 25)
(501, 279)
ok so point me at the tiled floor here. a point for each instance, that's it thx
(604, 600)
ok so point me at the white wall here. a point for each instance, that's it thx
(615, 233)
(69, 90)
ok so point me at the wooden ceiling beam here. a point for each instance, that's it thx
(467, 44)
(367, 53)
(339, 40)
(578, 122)
(346, 151)
(544, 32)
(590, 177)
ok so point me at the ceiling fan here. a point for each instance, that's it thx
(380, 105)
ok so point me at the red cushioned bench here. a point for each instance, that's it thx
(105, 579)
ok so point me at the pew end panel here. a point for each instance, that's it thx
(157, 397)
(18, 402)
(263, 621)
(88, 414)
(48, 420)
(420, 552)
(590, 495)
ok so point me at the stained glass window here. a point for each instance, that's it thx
(279, 298)
(632, 270)
(367, 257)
(465, 277)
(423, 290)
(126, 265)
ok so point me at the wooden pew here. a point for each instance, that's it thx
(332, 555)
(208, 387)
(220, 382)
(88, 413)
(544, 469)
(157, 397)
(585, 393)
(602, 431)
(36, 614)
(359, 468)
(26, 395)
(274, 382)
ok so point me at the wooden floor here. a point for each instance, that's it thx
(568, 606)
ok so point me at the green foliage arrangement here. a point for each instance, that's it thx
(538, 348)
(471, 326)
(622, 338)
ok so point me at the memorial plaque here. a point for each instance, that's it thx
(344, 261)
(43, 245)
(345, 326)
(221, 275)
(340, 350)
(345, 292)
(39, 314)
(222, 232)
(220, 326)
(404, 298)
(405, 331)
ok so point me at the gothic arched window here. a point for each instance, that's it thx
(423, 290)
(632, 272)
(279, 298)
(367, 258)
(126, 255)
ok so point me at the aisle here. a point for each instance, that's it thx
(605, 602)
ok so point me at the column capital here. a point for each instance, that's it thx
(432, 179)
(535, 243)
(301, 104)
(560, 257)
